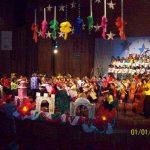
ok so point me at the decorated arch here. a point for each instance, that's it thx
(85, 102)
(50, 100)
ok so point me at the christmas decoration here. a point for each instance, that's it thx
(44, 25)
(110, 36)
(120, 23)
(98, 1)
(39, 33)
(104, 22)
(49, 7)
(48, 34)
(61, 7)
(61, 34)
(111, 5)
(79, 21)
(103, 123)
(34, 28)
(97, 27)
(65, 26)
(26, 107)
(54, 25)
(90, 18)
(72, 4)
(104, 26)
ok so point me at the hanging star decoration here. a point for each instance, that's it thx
(73, 5)
(49, 7)
(98, 1)
(39, 33)
(48, 34)
(65, 27)
(61, 7)
(97, 27)
(61, 34)
(111, 5)
(54, 26)
(110, 36)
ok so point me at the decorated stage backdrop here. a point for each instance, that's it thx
(105, 49)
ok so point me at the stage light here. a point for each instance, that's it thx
(54, 44)
(55, 51)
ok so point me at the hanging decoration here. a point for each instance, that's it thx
(97, 27)
(98, 1)
(79, 21)
(88, 125)
(110, 36)
(34, 28)
(120, 23)
(39, 33)
(65, 27)
(104, 22)
(54, 25)
(49, 7)
(61, 7)
(73, 4)
(111, 5)
(61, 34)
(78, 25)
(44, 25)
(83, 26)
(48, 34)
(90, 18)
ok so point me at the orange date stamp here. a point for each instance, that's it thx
(144, 132)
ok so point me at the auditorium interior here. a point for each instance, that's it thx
(74, 75)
